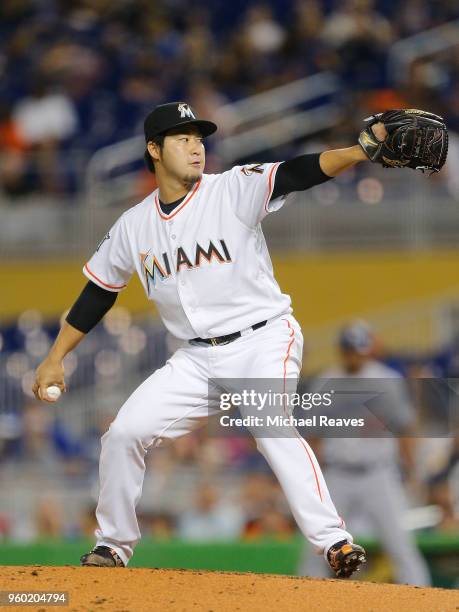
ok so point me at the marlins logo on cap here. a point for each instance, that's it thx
(185, 111)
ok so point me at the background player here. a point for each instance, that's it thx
(197, 246)
(364, 473)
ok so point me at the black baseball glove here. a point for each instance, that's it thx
(415, 139)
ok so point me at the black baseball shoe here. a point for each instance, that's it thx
(345, 558)
(102, 556)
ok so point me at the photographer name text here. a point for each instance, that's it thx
(289, 421)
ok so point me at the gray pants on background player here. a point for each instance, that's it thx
(378, 493)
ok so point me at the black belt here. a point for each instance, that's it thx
(228, 338)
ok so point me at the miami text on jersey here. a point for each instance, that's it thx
(162, 267)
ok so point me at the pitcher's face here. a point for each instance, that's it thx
(183, 154)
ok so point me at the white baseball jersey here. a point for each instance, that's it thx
(206, 264)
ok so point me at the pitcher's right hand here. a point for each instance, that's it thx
(48, 373)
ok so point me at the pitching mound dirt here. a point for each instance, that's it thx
(136, 590)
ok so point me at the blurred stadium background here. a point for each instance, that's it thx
(279, 78)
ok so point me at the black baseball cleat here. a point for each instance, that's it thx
(345, 558)
(102, 556)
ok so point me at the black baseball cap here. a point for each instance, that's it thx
(166, 117)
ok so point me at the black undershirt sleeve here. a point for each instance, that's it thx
(93, 303)
(298, 174)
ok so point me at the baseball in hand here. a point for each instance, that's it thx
(53, 393)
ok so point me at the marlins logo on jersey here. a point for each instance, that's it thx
(160, 267)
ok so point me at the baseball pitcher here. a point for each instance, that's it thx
(197, 246)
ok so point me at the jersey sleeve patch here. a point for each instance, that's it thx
(112, 264)
(250, 188)
(252, 169)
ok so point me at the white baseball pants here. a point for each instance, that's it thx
(173, 401)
